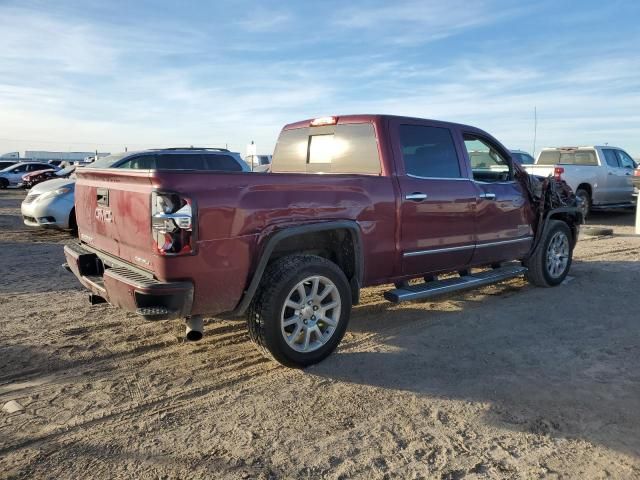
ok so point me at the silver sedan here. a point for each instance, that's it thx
(50, 204)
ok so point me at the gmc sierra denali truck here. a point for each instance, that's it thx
(353, 201)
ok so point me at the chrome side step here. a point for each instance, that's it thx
(448, 285)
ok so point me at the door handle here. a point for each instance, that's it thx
(416, 196)
(488, 196)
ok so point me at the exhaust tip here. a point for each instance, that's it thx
(194, 336)
(195, 327)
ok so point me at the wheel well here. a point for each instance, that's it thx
(336, 245)
(570, 220)
(586, 187)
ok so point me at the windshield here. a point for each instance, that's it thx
(66, 171)
(106, 162)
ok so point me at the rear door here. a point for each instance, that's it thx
(503, 216)
(618, 183)
(437, 203)
(628, 165)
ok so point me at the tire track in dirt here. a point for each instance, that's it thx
(153, 406)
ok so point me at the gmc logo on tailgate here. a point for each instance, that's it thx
(104, 215)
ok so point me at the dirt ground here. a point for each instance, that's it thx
(510, 381)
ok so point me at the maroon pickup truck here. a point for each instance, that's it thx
(351, 202)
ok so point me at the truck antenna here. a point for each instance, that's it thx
(535, 130)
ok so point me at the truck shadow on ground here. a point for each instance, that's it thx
(548, 361)
(612, 218)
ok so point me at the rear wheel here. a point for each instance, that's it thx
(301, 310)
(585, 204)
(549, 264)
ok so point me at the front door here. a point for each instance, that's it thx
(618, 181)
(503, 216)
(437, 206)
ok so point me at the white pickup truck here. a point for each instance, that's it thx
(599, 175)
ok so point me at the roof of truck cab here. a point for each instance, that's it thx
(369, 117)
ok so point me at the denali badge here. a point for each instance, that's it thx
(104, 215)
(142, 260)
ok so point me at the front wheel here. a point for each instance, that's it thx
(4, 183)
(549, 264)
(301, 310)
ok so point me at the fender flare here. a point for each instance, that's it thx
(287, 232)
(542, 230)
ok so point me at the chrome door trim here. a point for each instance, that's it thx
(504, 242)
(437, 250)
(465, 247)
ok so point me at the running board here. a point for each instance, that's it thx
(448, 285)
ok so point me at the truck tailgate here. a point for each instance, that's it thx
(114, 215)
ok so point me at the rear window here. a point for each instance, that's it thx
(567, 157)
(183, 161)
(350, 148)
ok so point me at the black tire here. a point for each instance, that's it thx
(73, 225)
(4, 183)
(538, 271)
(264, 314)
(583, 195)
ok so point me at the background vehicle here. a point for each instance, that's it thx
(523, 157)
(7, 163)
(31, 179)
(397, 199)
(12, 176)
(50, 204)
(259, 163)
(600, 176)
(205, 159)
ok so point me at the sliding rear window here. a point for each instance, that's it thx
(349, 148)
(567, 157)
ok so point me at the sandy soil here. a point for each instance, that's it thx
(510, 381)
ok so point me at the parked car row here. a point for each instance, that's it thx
(11, 176)
(50, 202)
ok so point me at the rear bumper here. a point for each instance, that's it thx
(127, 288)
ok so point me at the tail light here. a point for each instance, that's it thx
(172, 224)
(557, 172)
(636, 172)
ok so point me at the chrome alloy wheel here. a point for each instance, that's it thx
(557, 255)
(310, 314)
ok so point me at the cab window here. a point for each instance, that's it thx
(488, 164)
(610, 157)
(429, 152)
(625, 160)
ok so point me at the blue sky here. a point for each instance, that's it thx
(97, 74)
